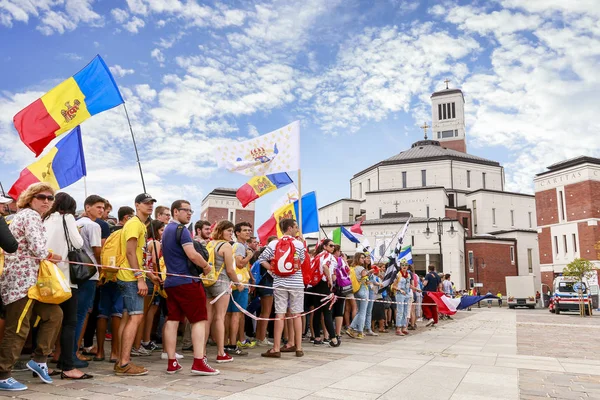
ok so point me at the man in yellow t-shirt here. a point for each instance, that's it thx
(132, 284)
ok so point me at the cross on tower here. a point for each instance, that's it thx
(424, 127)
(447, 81)
(396, 204)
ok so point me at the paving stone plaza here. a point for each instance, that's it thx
(483, 354)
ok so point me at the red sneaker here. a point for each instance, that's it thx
(108, 337)
(225, 358)
(201, 367)
(173, 367)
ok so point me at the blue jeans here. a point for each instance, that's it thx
(369, 311)
(86, 292)
(133, 303)
(111, 301)
(358, 323)
(401, 310)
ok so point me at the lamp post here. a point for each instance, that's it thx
(440, 231)
(477, 272)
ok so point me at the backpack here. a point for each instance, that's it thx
(306, 268)
(255, 271)
(343, 283)
(212, 276)
(194, 269)
(315, 272)
(284, 261)
(111, 256)
(354, 280)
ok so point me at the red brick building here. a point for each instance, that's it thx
(489, 261)
(221, 204)
(567, 198)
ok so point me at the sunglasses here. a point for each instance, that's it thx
(187, 210)
(330, 245)
(43, 197)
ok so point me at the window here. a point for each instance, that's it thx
(556, 244)
(574, 243)
(493, 216)
(451, 199)
(530, 260)
(453, 110)
(336, 220)
(351, 213)
(456, 132)
(380, 213)
(444, 111)
(465, 223)
(471, 283)
(475, 217)
(512, 217)
(439, 112)
(412, 240)
(471, 262)
(423, 177)
(483, 179)
(368, 185)
(231, 217)
(512, 254)
(468, 179)
(530, 221)
(404, 179)
(447, 134)
(427, 211)
(360, 190)
(565, 243)
(439, 135)
(560, 205)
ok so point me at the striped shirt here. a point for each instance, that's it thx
(294, 281)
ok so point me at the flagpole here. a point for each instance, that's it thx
(85, 186)
(300, 202)
(137, 156)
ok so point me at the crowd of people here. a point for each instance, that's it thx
(157, 279)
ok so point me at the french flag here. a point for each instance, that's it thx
(449, 306)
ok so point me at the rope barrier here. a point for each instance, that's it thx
(100, 266)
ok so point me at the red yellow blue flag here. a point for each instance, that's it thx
(88, 92)
(62, 166)
(310, 217)
(258, 186)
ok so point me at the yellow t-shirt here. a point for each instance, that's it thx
(134, 228)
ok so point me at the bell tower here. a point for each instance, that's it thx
(448, 118)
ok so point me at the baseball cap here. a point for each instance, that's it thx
(143, 198)
(5, 200)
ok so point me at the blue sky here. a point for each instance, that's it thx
(357, 74)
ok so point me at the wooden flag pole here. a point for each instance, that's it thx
(300, 200)
(137, 156)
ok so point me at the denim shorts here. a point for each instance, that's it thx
(133, 303)
(111, 301)
(241, 298)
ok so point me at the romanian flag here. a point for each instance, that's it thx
(258, 186)
(61, 167)
(88, 92)
(310, 217)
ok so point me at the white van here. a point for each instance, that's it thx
(566, 296)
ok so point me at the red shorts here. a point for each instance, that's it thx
(187, 301)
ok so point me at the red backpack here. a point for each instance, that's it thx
(285, 257)
(315, 273)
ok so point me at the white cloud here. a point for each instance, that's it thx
(120, 71)
(134, 25)
(158, 55)
(119, 15)
(145, 92)
(252, 131)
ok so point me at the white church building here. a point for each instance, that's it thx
(486, 232)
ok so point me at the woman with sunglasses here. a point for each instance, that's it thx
(20, 273)
(327, 263)
(59, 222)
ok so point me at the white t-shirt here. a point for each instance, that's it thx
(57, 242)
(92, 237)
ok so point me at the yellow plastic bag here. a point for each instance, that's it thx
(51, 287)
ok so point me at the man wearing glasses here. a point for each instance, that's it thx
(185, 296)
(162, 214)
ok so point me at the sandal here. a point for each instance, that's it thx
(383, 331)
(84, 376)
(290, 349)
(100, 359)
(114, 360)
(271, 354)
(299, 353)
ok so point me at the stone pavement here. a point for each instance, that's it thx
(483, 354)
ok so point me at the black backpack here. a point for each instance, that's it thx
(194, 269)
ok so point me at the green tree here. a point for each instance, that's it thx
(581, 269)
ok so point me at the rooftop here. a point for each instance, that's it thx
(430, 150)
(221, 192)
(337, 201)
(571, 162)
(445, 92)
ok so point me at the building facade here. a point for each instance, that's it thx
(567, 199)
(221, 204)
(463, 220)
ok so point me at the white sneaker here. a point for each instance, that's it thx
(371, 333)
(419, 319)
(165, 356)
(140, 352)
(265, 342)
(429, 323)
